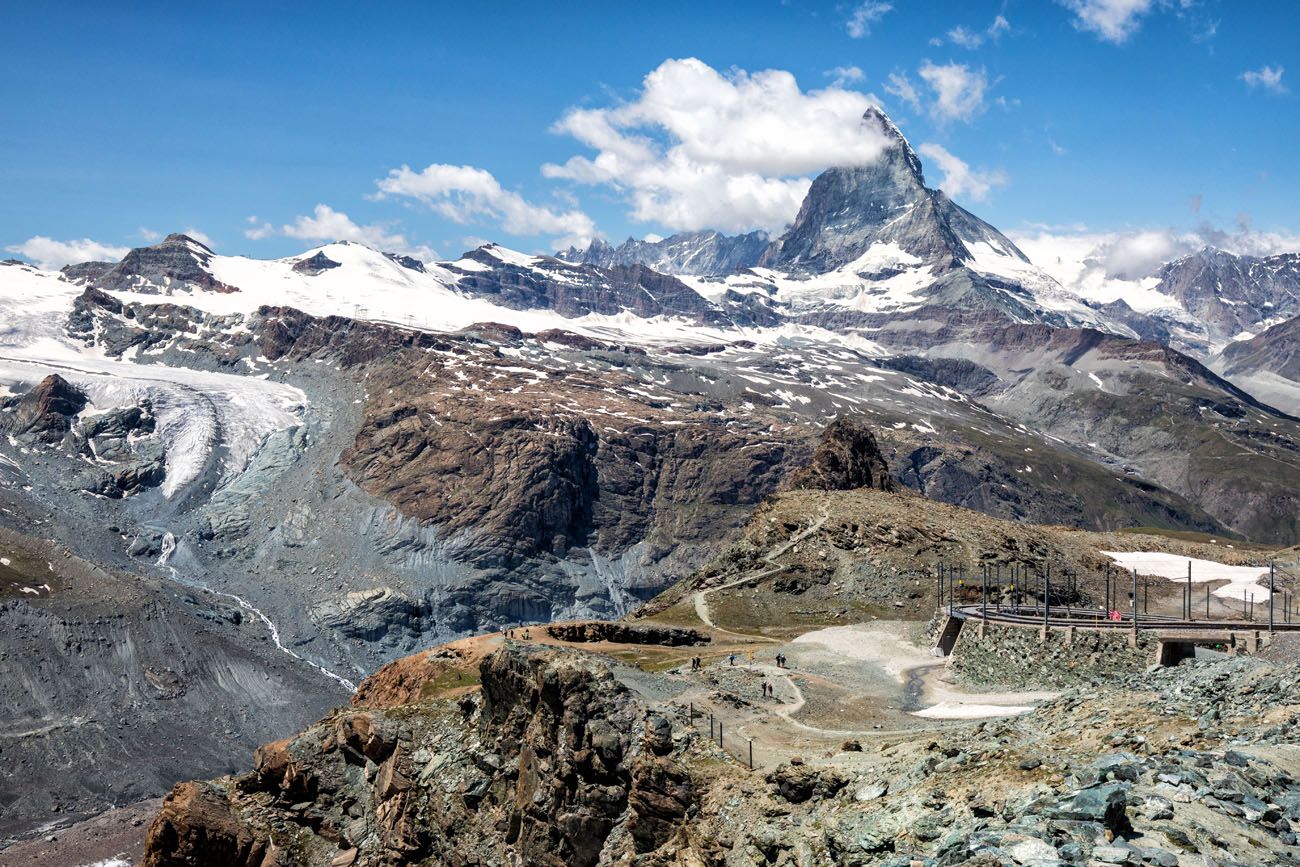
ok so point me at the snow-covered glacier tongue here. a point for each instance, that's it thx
(199, 413)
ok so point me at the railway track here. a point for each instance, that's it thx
(1092, 618)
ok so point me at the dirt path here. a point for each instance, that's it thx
(870, 681)
(700, 598)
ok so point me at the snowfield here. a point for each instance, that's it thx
(1241, 579)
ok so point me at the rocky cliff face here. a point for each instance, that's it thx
(556, 762)
(848, 210)
(45, 414)
(1275, 352)
(1230, 294)
(141, 682)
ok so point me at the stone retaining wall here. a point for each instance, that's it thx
(1020, 657)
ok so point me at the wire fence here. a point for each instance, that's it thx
(739, 747)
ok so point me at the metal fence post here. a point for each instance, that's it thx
(1047, 589)
(984, 594)
(751, 754)
(1272, 569)
(1135, 605)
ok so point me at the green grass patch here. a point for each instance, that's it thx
(452, 679)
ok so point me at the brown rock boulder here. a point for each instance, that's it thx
(661, 795)
(198, 828)
(846, 459)
(45, 413)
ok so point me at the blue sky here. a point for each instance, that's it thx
(262, 125)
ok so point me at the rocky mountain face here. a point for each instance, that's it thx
(1267, 365)
(1139, 406)
(134, 682)
(46, 412)
(1276, 350)
(847, 210)
(881, 220)
(178, 262)
(1229, 295)
(703, 254)
(576, 290)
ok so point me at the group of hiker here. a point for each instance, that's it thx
(768, 688)
(510, 633)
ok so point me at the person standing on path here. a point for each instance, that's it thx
(732, 659)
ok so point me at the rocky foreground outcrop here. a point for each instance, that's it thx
(553, 763)
(557, 762)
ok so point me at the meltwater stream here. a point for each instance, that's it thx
(169, 546)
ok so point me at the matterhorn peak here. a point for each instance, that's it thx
(875, 120)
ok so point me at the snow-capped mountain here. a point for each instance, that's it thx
(1232, 297)
(347, 453)
(699, 254)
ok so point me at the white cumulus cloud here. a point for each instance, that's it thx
(864, 15)
(959, 179)
(1111, 20)
(698, 148)
(51, 254)
(1267, 77)
(958, 90)
(326, 225)
(465, 194)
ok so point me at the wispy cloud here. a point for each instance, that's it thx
(467, 194)
(51, 254)
(1267, 77)
(899, 85)
(864, 15)
(959, 179)
(842, 75)
(972, 39)
(958, 90)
